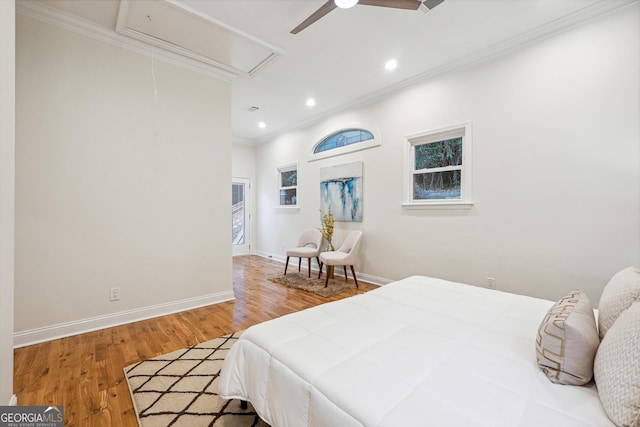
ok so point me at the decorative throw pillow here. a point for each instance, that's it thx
(621, 291)
(568, 340)
(617, 369)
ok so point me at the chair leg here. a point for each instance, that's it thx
(326, 280)
(345, 273)
(299, 263)
(354, 276)
(320, 269)
(309, 266)
(318, 259)
(286, 264)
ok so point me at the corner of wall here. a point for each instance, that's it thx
(7, 191)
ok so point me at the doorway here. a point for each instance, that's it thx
(240, 216)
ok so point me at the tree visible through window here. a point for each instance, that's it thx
(288, 181)
(438, 169)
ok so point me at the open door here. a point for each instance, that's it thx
(240, 238)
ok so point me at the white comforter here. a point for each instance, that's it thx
(417, 352)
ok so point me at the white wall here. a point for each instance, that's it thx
(243, 165)
(112, 189)
(7, 171)
(556, 183)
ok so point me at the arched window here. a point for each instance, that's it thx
(343, 138)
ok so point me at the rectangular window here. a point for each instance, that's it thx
(288, 183)
(439, 168)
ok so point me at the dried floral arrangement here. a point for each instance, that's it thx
(326, 227)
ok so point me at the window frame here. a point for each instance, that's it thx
(432, 136)
(280, 170)
(358, 146)
(342, 132)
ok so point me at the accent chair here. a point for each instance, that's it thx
(308, 247)
(344, 255)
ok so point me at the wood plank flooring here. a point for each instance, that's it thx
(84, 373)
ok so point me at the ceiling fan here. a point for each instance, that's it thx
(345, 4)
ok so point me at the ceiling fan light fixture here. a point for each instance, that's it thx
(345, 4)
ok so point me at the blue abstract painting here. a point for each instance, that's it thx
(341, 191)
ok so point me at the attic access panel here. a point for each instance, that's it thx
(180, 29)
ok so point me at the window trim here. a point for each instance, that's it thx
(279, 170)
(351, 148)
(436, 135)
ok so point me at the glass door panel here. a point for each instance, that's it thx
(240, 216)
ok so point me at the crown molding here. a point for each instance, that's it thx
(505, 47)
(70, 22)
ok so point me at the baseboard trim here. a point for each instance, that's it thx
(380, 281)
(274, 257)
(61, 330)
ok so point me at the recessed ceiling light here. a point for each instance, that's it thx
(311, 102)
(345, 4)
(262, 125)
(391, 64)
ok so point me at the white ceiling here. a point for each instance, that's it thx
(340, 59)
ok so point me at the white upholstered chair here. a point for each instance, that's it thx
(344, 255)
(308, 247)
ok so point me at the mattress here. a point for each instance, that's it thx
(417, 352)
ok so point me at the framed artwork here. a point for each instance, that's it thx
(341, 191)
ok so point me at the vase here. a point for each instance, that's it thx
(330, 271)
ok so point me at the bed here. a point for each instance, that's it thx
(417, 352)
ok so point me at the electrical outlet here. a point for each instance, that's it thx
(491, 282)
(115, 294)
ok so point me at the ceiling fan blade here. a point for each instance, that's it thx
(324, 9)
(430, 4)
(396, 4)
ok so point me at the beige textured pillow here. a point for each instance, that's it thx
(621, 291)
(568, 340)
(617, 369)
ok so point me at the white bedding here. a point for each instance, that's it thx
(417, 352)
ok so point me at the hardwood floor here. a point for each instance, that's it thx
(84, 373)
